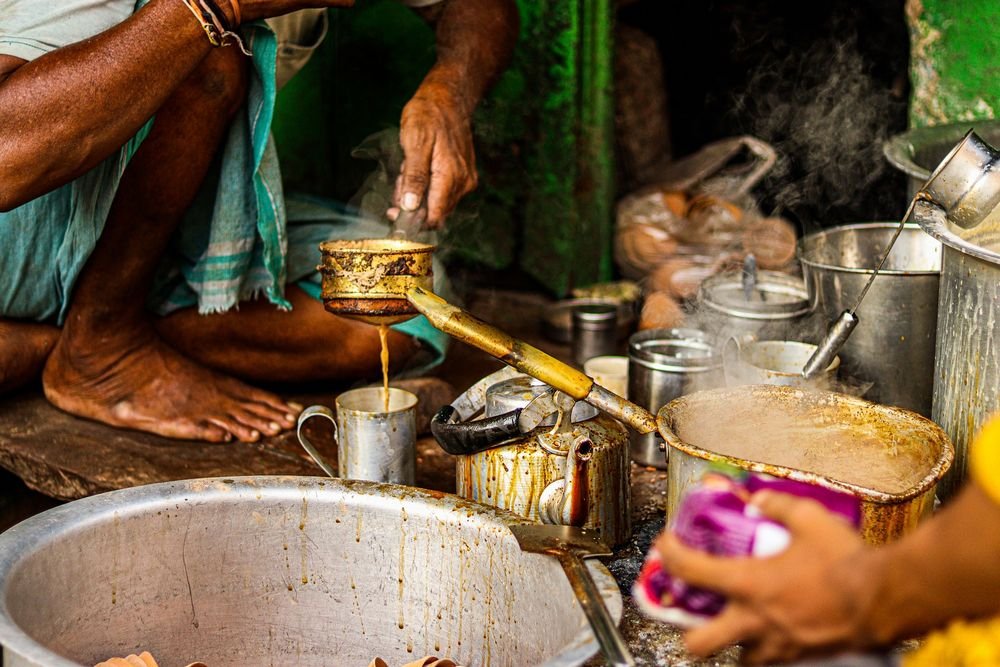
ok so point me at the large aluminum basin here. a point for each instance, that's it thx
(284, 571)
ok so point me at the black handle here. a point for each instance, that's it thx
(464, 439)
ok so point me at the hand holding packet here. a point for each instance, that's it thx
(716, 517)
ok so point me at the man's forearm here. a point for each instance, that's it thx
(475, 39)
(63, 113)
(945, 570)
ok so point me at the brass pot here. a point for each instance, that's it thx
(884, 516)
(368, 280)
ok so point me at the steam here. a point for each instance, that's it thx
(827, 116)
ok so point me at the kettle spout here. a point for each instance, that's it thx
(567, 501)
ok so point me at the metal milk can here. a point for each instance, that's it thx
(539, 454)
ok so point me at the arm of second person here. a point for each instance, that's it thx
(828, 592)
(475, 39)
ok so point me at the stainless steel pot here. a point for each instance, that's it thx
(778, 307)
(664, 364)
(893, 346)
(967, 361)
(284, 571)
(884, 516)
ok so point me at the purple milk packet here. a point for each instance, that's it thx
(716, 517)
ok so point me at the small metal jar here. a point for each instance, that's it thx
(778, 309)
(663, 365)
(595, 331)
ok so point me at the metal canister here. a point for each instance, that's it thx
(778, 307)
(595, 331)
(665, 364)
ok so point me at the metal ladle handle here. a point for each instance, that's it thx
(459, 324)
(828, 348)
(612, 644)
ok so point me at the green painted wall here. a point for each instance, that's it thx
(955, 60)
(544, 136)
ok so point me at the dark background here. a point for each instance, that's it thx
(825, 83)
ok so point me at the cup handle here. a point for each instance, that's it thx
(317, 411)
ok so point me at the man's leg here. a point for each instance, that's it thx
(109, 364)
(24, 347)
(260, 342)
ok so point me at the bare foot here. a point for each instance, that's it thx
(136, 381)
(24, 347)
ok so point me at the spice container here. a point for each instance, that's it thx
(663, 365)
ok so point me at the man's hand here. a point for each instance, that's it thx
(474, 43)
(805, 600)
(439, 167)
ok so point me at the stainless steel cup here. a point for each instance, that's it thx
(372, 444)
(746, 360)
(665, 364)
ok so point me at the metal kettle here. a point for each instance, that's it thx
(540, 454)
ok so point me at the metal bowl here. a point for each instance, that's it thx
(281, 571)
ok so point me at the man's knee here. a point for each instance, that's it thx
(222, 80)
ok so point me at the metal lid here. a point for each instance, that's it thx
(595, 316)
(779, 296)
(673, 350)
(517, 392)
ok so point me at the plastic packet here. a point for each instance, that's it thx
(715, 517)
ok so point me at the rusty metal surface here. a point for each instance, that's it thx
(885, 516)
(368, 279)
(524, 478)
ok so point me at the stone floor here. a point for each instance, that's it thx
(69, 458)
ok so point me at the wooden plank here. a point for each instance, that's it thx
(66, 457)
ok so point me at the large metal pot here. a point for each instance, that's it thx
(885, 516)
(918, 151)
(893, 346)
(967, 362)
(284, 571)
